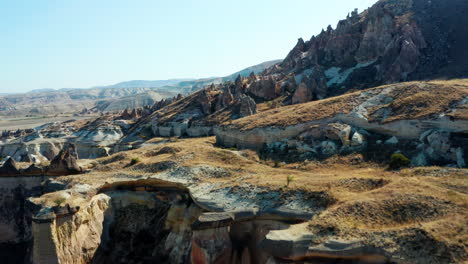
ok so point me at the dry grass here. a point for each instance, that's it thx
(346, 177)
(416, 101)
(412, 100)
(369, 201)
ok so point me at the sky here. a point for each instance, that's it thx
(86, 43)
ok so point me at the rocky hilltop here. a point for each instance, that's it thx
(393, 41)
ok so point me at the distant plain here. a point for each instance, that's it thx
(35, 121)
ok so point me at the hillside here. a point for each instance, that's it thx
(69, 101)
(384, 104)
(393, 41)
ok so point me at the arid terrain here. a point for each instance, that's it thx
(32, 122)
(353, 149)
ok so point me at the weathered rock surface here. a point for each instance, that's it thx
(15, 217)
(390, 42)
(429, 134)
(296, 244)
(93, 140)
(135, 221)
(65, 163)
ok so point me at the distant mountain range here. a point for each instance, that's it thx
(194, 85)
(145, 84)
(173, 83)
(119, 96)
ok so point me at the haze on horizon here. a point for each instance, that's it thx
(61, 44)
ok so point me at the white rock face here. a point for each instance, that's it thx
(357, 139)
(392, 141)
(46, 142)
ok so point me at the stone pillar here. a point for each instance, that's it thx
(44, 251)
(211, 242)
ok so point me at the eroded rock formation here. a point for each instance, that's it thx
(65, 163)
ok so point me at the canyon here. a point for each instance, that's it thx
(353, 149)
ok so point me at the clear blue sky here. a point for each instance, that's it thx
(83, 43)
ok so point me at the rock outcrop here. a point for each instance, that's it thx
(430, 134)
(9, 168)
(65, 163)
(390, 42)
(393, 41)
(93, 139)
(148, 220)
(247, 106)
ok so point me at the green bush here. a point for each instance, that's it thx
(134, 161)
(398, 161)
(60, 201)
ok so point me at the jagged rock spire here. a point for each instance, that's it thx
(9, 168)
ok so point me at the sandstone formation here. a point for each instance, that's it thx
(65, 163)
(362, 122)
(390, 42)
(94, 139)
(173, 225)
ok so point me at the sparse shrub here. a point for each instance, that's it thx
(398, 161)
(60, 201)
(274, 104)
(250, 155)
(134, 161)
(289, 179)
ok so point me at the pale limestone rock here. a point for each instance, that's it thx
(357, 139)
(392, 141)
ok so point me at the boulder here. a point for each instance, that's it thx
(391, 141)
(357, 139)
(263, 88)
(338, 131)
(328, 148)
(303, 93)
(294, 244)
(439, 141)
